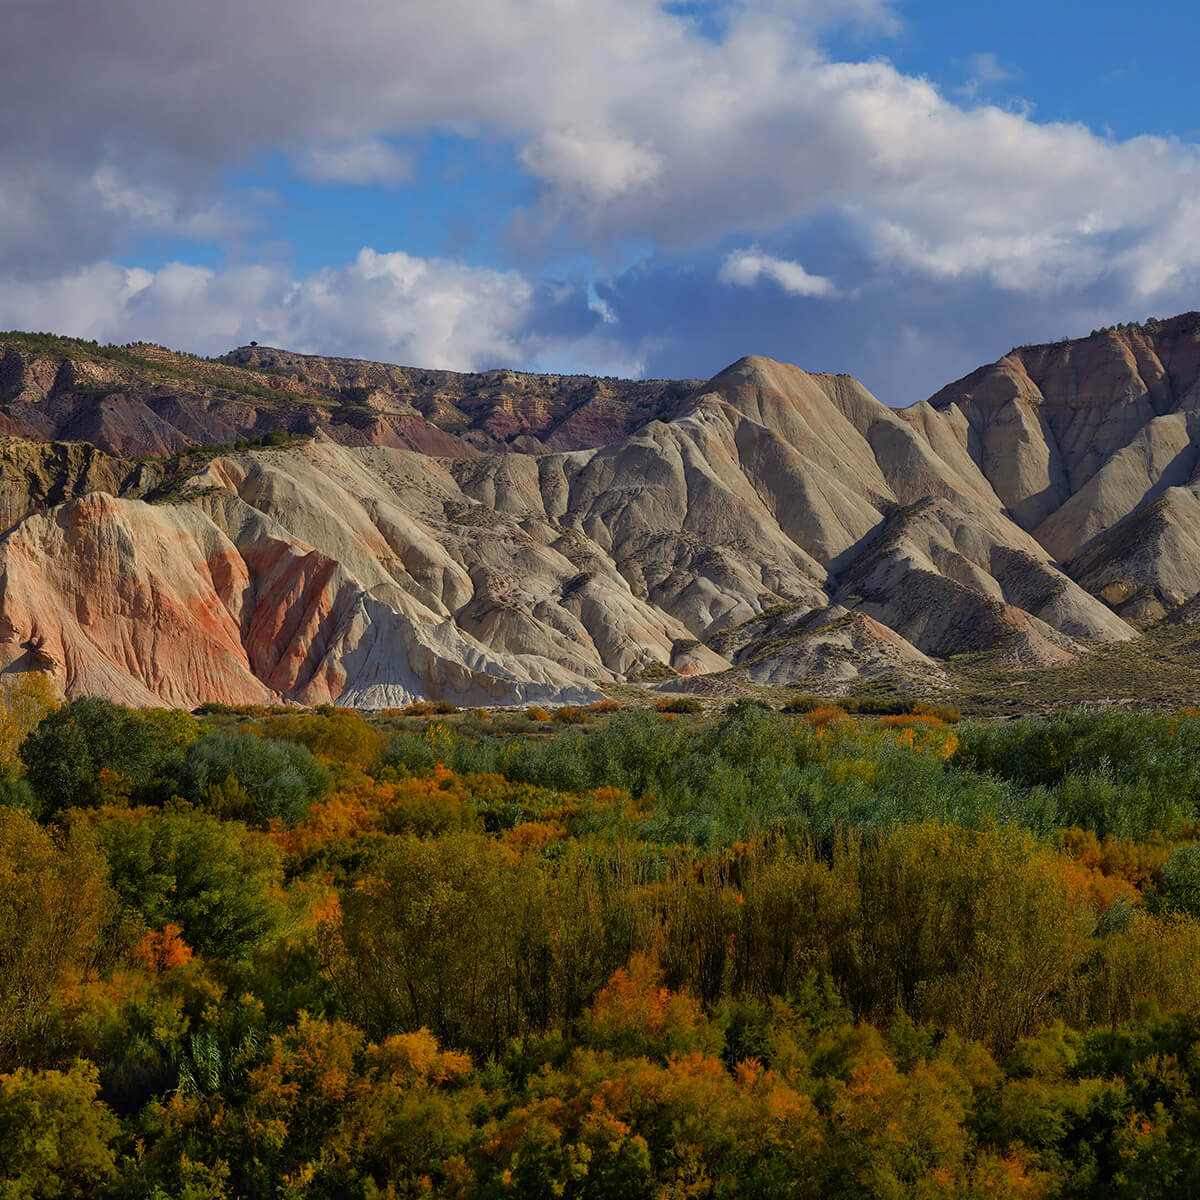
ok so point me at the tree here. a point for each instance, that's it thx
(274, 780)
(24, 700)
(1181, 879)
(56, 1137)
(341, 734)
(65, 754)
(211, 879)
(54, 904)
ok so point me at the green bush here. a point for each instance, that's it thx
(65, 754)
(210, 877)
(882, 706)
(252, 778)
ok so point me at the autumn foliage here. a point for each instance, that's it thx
(781, 955)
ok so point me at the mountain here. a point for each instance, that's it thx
(1093, 447)
(274, 525)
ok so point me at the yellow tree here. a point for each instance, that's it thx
(54, 903)
(24, 700)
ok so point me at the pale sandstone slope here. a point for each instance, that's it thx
(368, 574)
(1082, 440)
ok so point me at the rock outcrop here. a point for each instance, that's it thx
(1094, 447)
(503, 538)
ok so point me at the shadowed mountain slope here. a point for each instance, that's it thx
(1094, 446)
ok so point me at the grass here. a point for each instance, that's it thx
(1160, 669)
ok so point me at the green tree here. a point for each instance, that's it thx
(1181, 879)
(273, 779)
(56, 1137)
(212, 878)
(54, 904)
(65, 754)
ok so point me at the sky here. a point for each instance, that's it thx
(896, 189)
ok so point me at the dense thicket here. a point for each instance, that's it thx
(621, 955)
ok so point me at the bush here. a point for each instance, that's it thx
(429, 708)
(211, 878)
(252, 778)
(941, 712)
(570, 715)
(680, 704)
(884, 706)
(65, 754)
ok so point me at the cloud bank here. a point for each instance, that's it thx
(680, 130)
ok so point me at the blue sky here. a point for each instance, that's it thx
(899, 190)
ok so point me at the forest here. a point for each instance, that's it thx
(597, 952)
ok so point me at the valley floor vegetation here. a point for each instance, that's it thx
(596, 953)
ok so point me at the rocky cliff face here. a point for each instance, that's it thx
(505, 538)
(1094, 447)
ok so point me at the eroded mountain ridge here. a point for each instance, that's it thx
(507, 538)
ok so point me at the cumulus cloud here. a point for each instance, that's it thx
(392, 306)
(638, 122)
(746, 267)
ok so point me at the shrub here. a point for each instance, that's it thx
(252, 778)
(679, 704)
(568, 714)
(885, 706)
(65, 754)
(941, 712)
(535, 712)
(828, 714)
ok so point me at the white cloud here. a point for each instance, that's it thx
(637, 122)
(390, 306)
(983, 71)
(593, 167)
(745, 268)
(365, 161)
